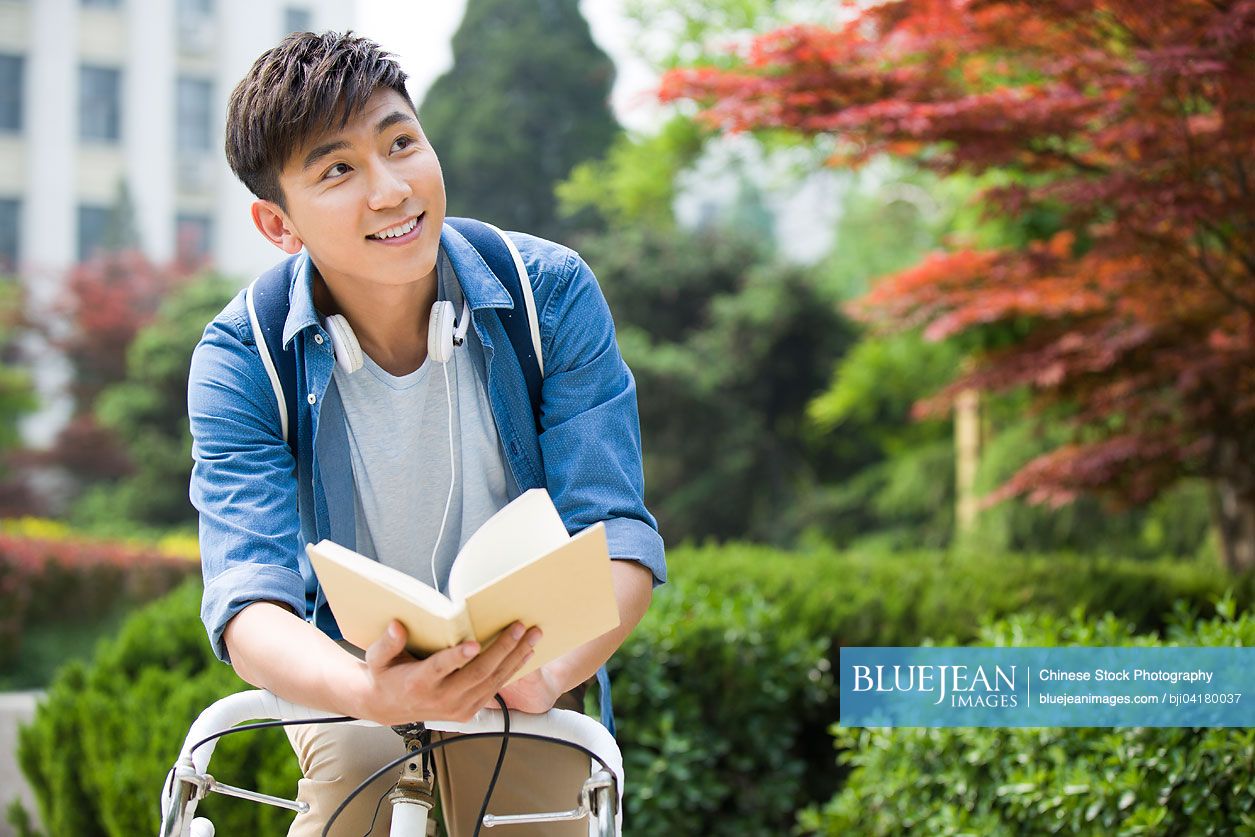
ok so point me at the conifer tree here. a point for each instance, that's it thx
(526, 100)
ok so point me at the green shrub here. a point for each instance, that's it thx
(711, 694)
(1137, 780)
(104, 737)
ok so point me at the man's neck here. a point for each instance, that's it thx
(389, 321)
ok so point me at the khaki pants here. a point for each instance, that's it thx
(536, 777)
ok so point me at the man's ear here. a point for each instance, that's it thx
(274, 223)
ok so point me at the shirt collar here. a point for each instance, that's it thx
(301, 311)
(480, 285)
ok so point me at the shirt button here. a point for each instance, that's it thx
(311, 398)
(318, 339)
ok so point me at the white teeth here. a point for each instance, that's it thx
(393, 232)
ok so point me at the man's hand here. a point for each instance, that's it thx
(536, 692)
(449, 685)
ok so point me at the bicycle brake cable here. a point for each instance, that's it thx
(496, 771)
(170, 778)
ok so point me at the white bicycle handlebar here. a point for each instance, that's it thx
(260, 705)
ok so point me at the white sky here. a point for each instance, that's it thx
(419, 32)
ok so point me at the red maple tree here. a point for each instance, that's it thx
(105, 303)
(1134, 120)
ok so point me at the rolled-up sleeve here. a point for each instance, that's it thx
(590, 429)
(243, 482)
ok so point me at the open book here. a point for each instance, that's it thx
(520, 565)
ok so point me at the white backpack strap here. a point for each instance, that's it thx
(529, 301)
(259, 338)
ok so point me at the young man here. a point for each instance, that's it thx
(322, 131)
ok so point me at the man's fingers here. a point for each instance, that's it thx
(484, 668)
(512, 662)
(385, 649)
(443, 663)
(520, 655)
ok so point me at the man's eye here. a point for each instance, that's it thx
(337, 170)
(402, 143)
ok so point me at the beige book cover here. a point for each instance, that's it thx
(520, 565)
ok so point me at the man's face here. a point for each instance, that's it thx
(368, 201)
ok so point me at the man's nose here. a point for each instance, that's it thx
(387, 187)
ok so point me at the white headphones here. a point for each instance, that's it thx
(443, 335)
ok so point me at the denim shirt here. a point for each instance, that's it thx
(259, 507)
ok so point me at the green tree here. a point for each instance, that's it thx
(17, 398)
(904, 495)
(527, 99)
(147, 410)
(121, 232)
(900, 488)
(728, 347)
(635, 183)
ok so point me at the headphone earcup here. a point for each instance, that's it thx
(440, 332)
(344, 342)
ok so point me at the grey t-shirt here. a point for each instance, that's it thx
(398, 430)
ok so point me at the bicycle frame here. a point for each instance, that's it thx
(189, 781)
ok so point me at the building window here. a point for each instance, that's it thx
(193, 236)
(100, 104)
(93, 222)
(9, 231)
(10, 92)
(297, 20)
(195, 23)
(195, 115)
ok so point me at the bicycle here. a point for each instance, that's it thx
(189, 781)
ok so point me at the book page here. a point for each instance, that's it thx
(365, 596)
(568, 593)
(529, 526)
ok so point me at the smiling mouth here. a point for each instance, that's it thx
(399, 231)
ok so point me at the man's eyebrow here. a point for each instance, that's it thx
(323, 150)
(392, 119)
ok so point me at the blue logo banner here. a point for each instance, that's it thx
(1047, 687)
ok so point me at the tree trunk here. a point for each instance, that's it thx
(1233, 512)
(967, 439)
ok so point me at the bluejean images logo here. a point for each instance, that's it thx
(964, 686)
(1047, 687)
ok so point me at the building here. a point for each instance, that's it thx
(106, 103)
(111, 101)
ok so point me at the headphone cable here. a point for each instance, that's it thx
(453, 478)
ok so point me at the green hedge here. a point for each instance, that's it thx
(881, 598)
(1162, 781)
(869, 597)
(723, 694)
(74, 581)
